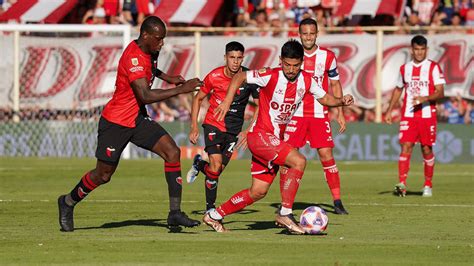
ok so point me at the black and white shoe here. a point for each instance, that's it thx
(194, 171)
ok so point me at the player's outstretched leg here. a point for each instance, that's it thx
(289, 183)
(214, 223)
(194, 171)
(213, 218)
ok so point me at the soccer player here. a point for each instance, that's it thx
(282, 90)
(423, 82)
(125, 120)
(311, 121)
(220, 136)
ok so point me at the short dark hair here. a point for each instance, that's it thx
(150, 23)
(419, 40)
(292, 49)
(308, 21)
(234, 46)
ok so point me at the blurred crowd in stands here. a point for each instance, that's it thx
(263, 14)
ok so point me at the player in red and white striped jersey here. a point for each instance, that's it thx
(423, 82)
(282, 91)
(311, 123)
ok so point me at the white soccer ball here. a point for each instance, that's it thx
(314, 220)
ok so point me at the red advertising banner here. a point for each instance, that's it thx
(80, 72)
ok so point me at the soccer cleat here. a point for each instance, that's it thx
(66, 215)
(339, 208)
(289, 222)
(216, 225)
(194, 171)
(179, 218)
(401, 189)
(427, 191)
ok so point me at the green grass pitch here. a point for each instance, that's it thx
(124, 222)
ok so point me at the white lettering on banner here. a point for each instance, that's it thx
(354, 149)
(368, 149)
(10, 146)
(382, 147)
(360, 148)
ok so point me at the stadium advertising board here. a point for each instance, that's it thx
(361, 142)
(65, 73)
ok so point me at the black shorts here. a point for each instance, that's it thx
(113, 138)
(218, 142)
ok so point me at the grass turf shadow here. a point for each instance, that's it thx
(409, 193)
(141, 222)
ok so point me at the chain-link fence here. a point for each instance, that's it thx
(54, 81)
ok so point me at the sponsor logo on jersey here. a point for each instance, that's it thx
(136, 69)
(109, 151)
(284, 107)
(135, 61)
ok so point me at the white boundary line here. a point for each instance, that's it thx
(260, 202)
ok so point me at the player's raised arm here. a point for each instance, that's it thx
(196, 106)
(146, 95)
(329, 100)
(234, 85)
(177, 80)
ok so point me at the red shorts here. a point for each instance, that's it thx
(421, 130)
(268, 151)
(316, 131)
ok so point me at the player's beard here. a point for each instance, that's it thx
(294, 78)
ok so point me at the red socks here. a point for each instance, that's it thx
(403, 167)
(236, 203)
(289, 184)
(428, 163)
(332, 178)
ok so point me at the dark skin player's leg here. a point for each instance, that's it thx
(102, 173)
(167, 149)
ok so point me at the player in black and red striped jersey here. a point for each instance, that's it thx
(125, 120)
(220, 136)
